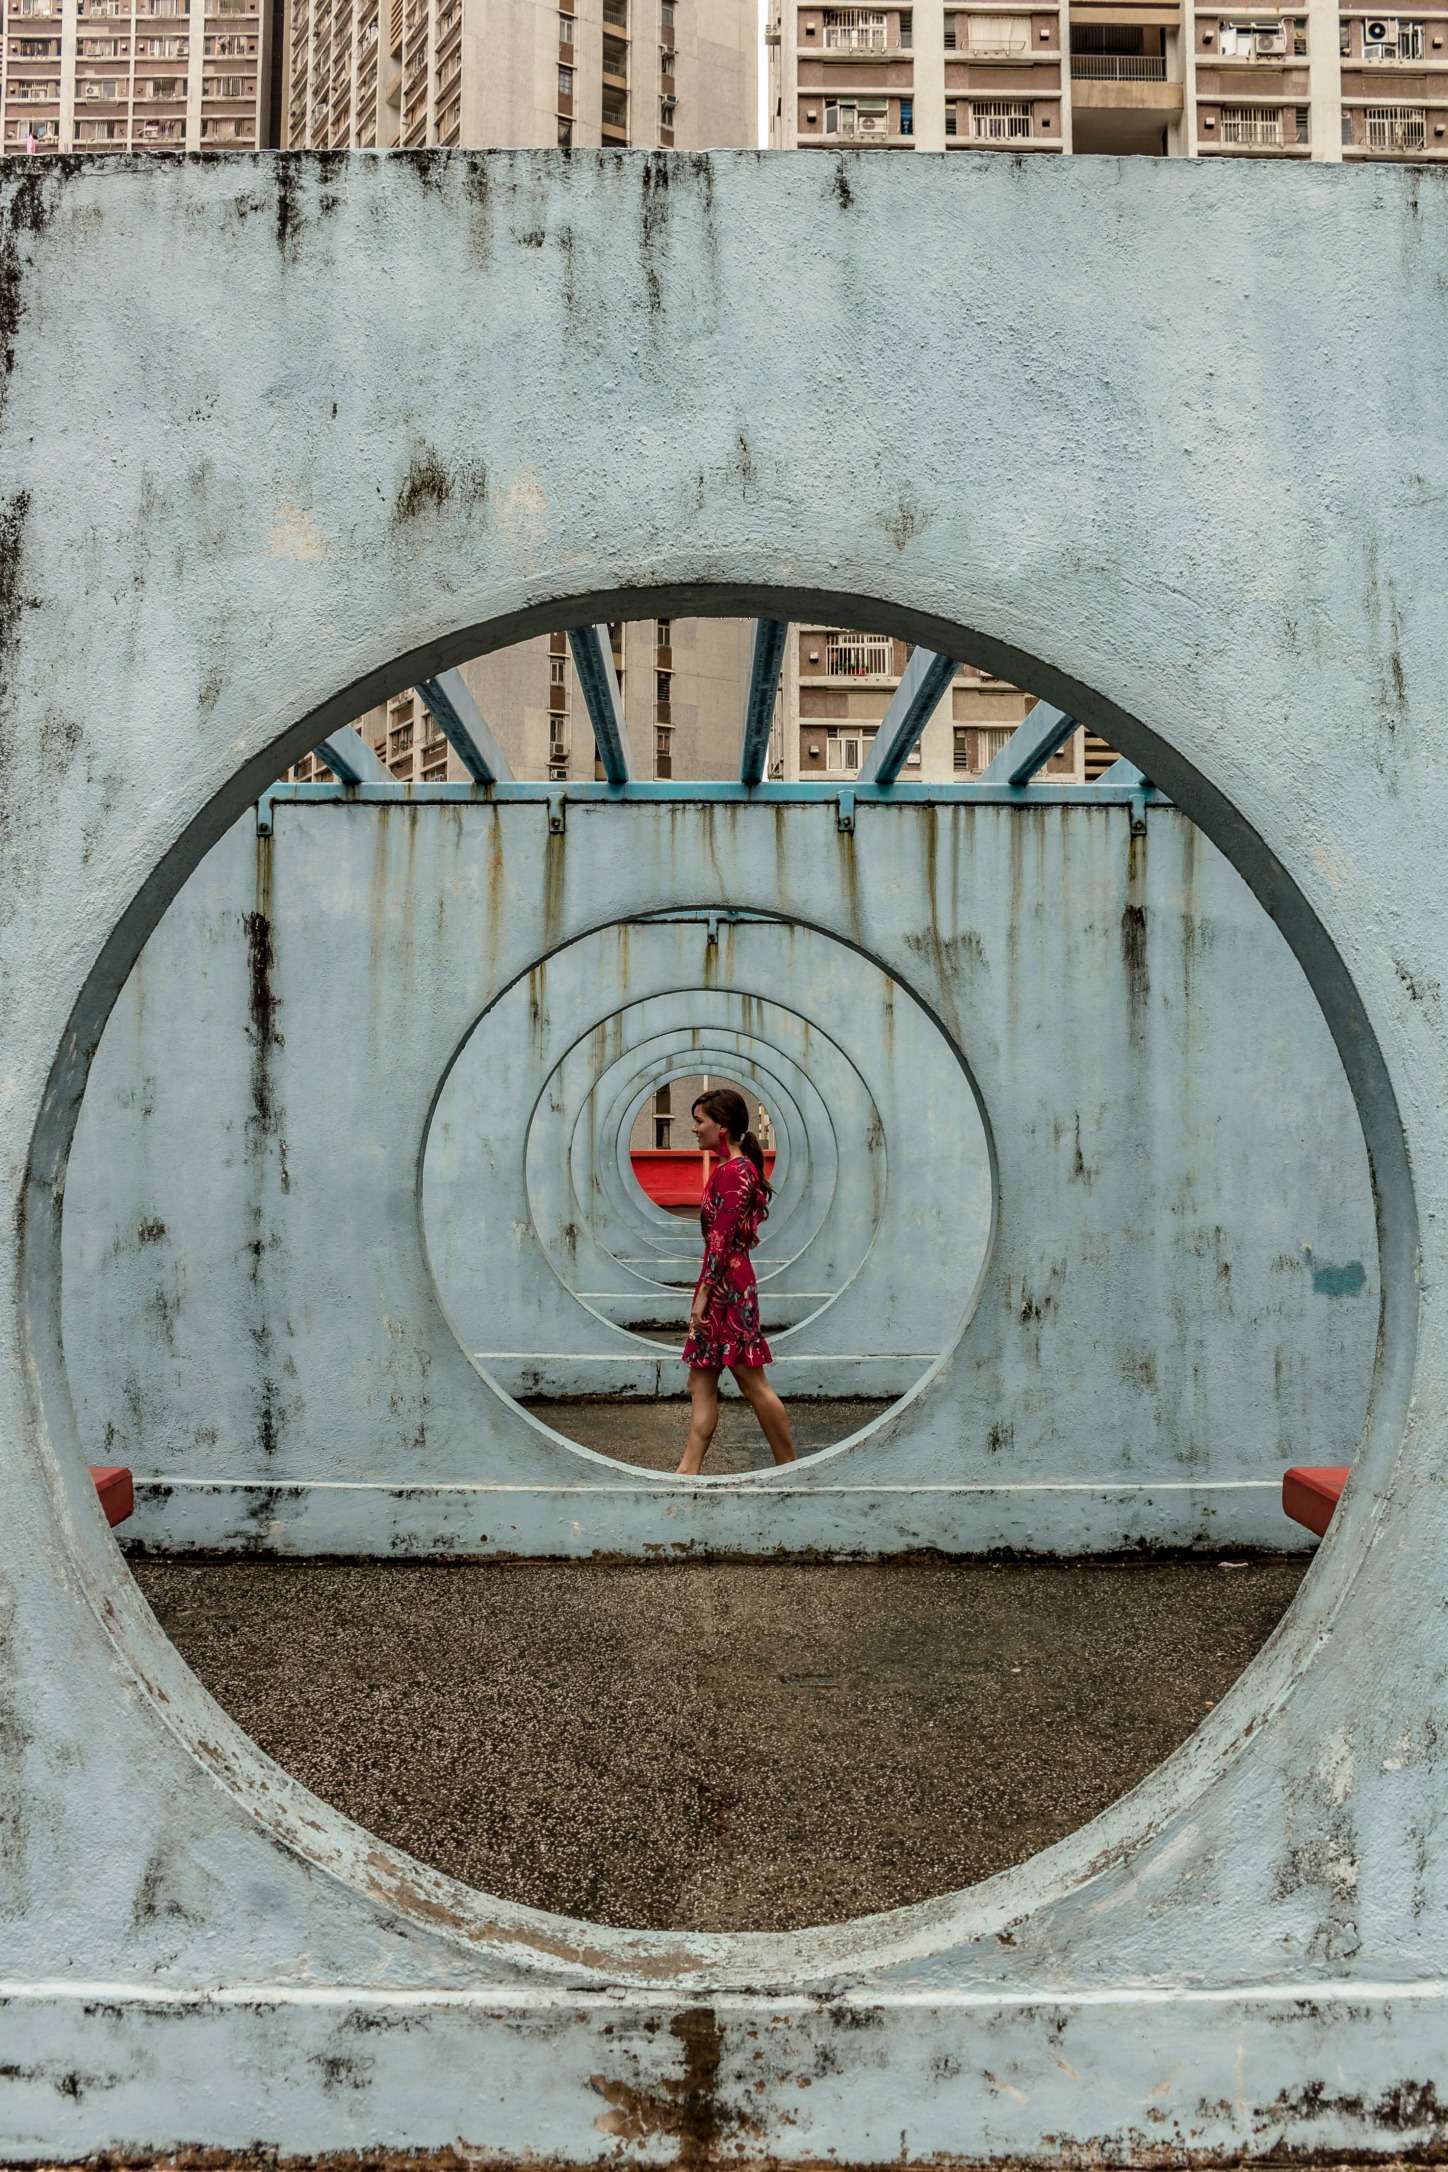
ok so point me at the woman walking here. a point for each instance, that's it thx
(724, 1328)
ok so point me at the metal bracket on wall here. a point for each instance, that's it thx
(845, 810)
(557, 820)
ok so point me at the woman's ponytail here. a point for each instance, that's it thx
(753, 1152)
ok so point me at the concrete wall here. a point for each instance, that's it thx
(1247, 1956)
(1181, 1298)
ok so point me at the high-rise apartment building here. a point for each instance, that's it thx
(1173, 78)
(1121, 76)
(522, 74)
(136, 75)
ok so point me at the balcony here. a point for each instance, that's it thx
(1118, 67)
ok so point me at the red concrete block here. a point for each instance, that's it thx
(113, 1484)
(1311, 1493)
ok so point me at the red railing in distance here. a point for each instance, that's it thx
(675, 1176)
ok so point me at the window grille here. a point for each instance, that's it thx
(999, 120)
(855, 656)
(1396, 128)
(907, 116)
(854, 30)
(1252, 124)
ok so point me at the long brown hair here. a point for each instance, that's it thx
(730, 1111)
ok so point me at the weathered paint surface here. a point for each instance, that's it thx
(1248, 1954)
(1177, 1156)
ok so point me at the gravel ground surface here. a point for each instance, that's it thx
(652, 1433)
(721, 1746)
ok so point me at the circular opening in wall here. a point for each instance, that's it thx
(1130, 1031)
(572, 1290)
(668, 1168)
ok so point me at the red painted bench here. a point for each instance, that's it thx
(1311, 1493)
(118, 1495)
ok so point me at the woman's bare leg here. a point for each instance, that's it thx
(768, 1409)
(704, 1396)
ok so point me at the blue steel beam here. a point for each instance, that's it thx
(452, 707)
(1044, 731)
(593, 661)
(916, 698)
(728, 792)
(769, 637)
(350, 759)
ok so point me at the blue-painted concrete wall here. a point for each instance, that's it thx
(226, 529)
(1181, 1299)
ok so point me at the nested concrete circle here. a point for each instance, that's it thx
(365, 547)
(748, 1079)
(540, 1296)
(776, 1040)
(751, 1072)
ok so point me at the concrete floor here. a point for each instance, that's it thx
(652, 1433)
(722, 1746)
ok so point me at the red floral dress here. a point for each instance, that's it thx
(734, 1205)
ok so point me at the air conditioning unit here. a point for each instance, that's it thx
(873, 124)
(1380, 38)
(1269, 38)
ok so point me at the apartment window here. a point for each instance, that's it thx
(1347, 134)
(663, 751)
(666, 15)
(228, 86)
(1410, 40)
(857, 117)
(668, 107)
(666, 60)
(997, 34)
(952, 32)
(663, 1127)
(960, 750)
(436, 775)
(558, 671)
(614, 109)
(615, 57)
(1251, 124)
(855, 656)
(663, 685)
(1395, 128)
(401, 740)
(663, 633)
(846, 750)
(854, 30)
(952, 126)
(907, 30)
(1302, 124)
(565, 82)
(565, 135)
(616, 12)
(907, 116)
(565, 30)
(999, 120)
